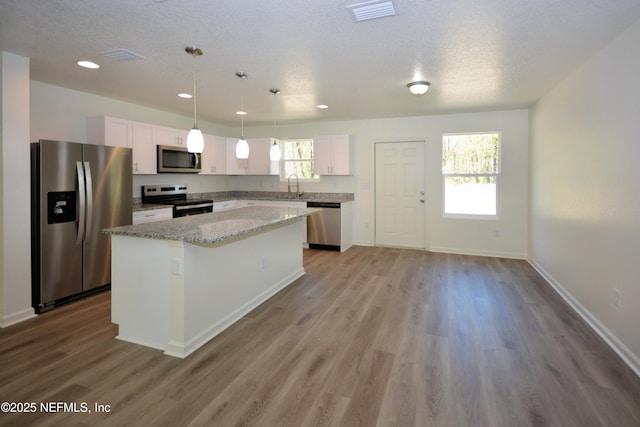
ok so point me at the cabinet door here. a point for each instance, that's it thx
(259, 161)
(214, 156)
(144, 149)
(235, 166)
(332, 155)
(165, 136)
(109, 131)
(322, 155)
(181, 137)
(117, 132)
(340, 155)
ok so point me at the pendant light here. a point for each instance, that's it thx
(242, 147)
(274, 152)
(195, 139)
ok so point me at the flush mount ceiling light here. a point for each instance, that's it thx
(242, 147)
(195, 139)
(372, 10)
(274, 152)
(322, 106)
(418, 87)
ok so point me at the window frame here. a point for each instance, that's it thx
(283, 161)
(497, 176)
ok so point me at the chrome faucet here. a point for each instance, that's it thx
(298, 192)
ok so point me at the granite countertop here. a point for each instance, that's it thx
(276, 195)
(223, 196)
(213, 227)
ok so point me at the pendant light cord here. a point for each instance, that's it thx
(195, 98)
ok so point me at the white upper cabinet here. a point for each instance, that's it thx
(109, 131)
(332, 155)
(214, 156)
(144, 149)
(258, 163)
(163, 135)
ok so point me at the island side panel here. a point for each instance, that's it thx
(140, 284)
(222, 283)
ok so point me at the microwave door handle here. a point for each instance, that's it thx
(82, 202)
(87, 172)
(195, 161)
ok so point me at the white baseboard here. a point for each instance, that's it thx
(631, 359)
(17, 317)
(494, 254)
(182, 350)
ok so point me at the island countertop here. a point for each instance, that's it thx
(214, 227)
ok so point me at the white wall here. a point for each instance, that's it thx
(445, 235)
(15, 241)
(585, 191)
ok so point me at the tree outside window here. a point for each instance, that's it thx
(297, 158)
(471, 171)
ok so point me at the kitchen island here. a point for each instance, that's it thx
(176, 284)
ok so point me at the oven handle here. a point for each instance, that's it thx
(201, 205)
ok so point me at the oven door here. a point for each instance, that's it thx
(186, 210)
(178, 160)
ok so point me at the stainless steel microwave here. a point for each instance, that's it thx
(178, 160)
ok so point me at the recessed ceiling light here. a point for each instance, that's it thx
(241, 113)
(322, 106)
(185, 95)
(88, 64)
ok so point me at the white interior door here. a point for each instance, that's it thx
(400, 212)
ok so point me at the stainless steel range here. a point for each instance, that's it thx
(175, 195)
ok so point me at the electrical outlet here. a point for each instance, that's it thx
(263, 263)
(617, 297)
(496, 232)
(176, 266)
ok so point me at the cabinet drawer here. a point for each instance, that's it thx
(151, 215)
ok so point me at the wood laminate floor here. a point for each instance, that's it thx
(369, 337)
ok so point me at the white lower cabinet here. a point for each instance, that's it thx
(225, 205)
(152, 215)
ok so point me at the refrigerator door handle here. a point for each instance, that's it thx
(89, 211)
(82, 202)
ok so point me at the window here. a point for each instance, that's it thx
(297, 158)
(471, 171)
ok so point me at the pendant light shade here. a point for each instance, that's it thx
(242, 149)
(274, 152)
(195, 139)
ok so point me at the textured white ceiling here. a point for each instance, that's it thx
(477, 54)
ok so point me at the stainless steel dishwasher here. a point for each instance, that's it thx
(323, 228)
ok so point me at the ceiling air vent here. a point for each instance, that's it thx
(372, 10)
(120, 55)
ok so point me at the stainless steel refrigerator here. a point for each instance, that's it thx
(77, 190)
